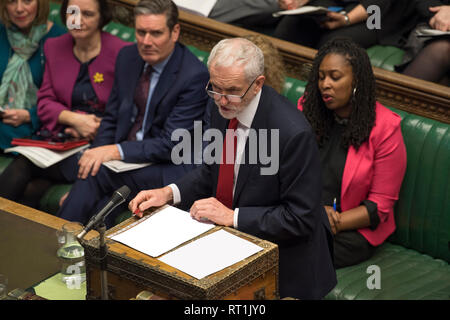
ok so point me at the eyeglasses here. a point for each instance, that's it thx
(230, 97)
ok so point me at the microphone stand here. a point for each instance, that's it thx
(98, 223)
(101, 228)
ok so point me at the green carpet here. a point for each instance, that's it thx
(54, 289)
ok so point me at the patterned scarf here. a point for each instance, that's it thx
(17, 89)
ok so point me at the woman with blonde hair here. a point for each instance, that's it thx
(23, 30)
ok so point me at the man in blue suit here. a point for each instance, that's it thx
(159, 87)
(282, 205)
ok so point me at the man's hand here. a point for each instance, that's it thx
(92, 159)
(213, 210)
(334, 219)
(150, 198)
(441, 20)
(291, 4)
(15, 117)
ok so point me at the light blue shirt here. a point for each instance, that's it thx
(157, 70)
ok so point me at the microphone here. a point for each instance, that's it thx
(119, 197)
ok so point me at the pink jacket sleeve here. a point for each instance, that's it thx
(48, 105)
(388, 169)
(389, 166)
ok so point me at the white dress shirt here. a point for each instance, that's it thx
(245, 119)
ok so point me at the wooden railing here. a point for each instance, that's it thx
(393, 89)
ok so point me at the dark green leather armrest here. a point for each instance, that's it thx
(404, 274)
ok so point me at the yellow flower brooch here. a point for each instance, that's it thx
(98, 78)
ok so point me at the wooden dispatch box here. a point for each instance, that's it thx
(130, 272)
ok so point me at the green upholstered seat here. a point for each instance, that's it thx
(404, 274)
(422, 212)
(50, 201)
(201, 55)
(119, 30)
(293, 89)
(5, 160)
(54, 13)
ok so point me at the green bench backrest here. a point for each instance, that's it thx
(422, 212)
(54, 13)
(123, 32)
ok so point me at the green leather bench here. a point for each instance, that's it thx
(414, 262)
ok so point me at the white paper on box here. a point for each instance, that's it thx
(162, 232)
(211, 253)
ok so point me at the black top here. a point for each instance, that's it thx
(332, 157)
(84, 97)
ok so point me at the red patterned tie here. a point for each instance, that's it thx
(140, 98)
(225, 181)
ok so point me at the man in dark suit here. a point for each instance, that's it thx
(159, 87)
(279, 203)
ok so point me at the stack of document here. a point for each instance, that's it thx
(171, 227)
(210, 254)
(311, 10)
(428, 32)
(121, 166)
(43, 157)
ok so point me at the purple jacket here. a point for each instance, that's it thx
(61, 71)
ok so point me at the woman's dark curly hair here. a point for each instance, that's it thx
(362, 117)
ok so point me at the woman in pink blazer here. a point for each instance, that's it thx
(78, 79)
(361, 147)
